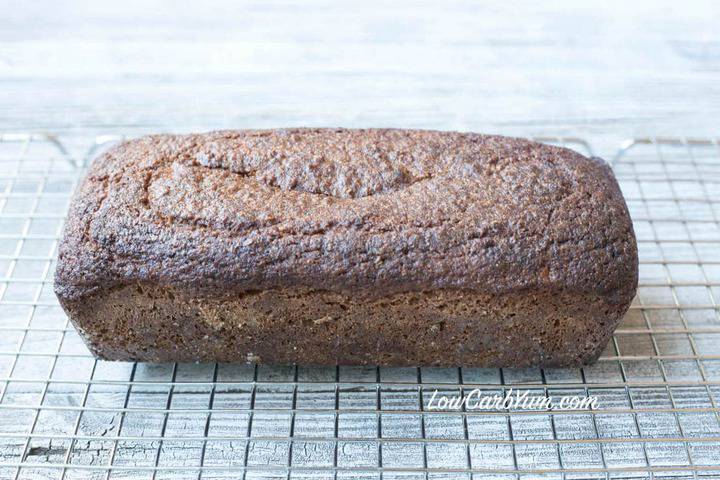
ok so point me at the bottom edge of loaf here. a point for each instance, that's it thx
(299, 326)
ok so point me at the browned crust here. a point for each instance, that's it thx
(440, 328)
(365, 214)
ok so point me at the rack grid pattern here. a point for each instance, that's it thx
(65, 415)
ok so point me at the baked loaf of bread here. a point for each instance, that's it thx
(333, 246)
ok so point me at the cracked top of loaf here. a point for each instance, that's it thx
(372, 212)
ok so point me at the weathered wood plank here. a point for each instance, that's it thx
(584, 68)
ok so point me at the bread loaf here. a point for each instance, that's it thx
(334, 246)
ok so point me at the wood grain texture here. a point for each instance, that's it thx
(597, 69)
(604, 70)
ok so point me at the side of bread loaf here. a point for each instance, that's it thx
(333, 246)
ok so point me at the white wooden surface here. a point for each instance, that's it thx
(606, 70)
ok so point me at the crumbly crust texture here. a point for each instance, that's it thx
(367, 229)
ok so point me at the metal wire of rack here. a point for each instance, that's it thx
(65, 415)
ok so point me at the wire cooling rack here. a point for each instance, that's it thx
(65, 415)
